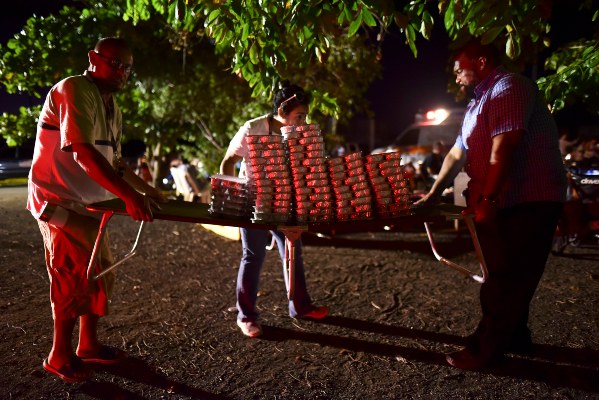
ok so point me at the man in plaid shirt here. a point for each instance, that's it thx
(509, 147)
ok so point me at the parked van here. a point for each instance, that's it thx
(416, 141)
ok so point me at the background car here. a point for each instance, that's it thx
(15, 162)
(416, 141)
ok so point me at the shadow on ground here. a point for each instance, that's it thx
(554, 365)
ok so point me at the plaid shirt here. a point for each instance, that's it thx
(506, 102)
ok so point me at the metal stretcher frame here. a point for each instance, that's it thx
(198, 213)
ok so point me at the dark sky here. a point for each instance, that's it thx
(12, 19)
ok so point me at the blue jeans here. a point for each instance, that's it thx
(254, 242)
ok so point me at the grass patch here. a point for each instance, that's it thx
(13, 182)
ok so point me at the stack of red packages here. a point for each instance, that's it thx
(229, 196)
(353, 196)
(269, 179)
(307, 160)
(391, 189)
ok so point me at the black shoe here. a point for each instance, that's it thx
(521, 344)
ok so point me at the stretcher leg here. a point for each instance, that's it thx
(291, 237)
(92, 262)
(479, 254)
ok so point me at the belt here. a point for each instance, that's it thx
(49, 127)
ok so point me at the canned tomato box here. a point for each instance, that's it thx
(339, 176)
(296, 149)
(315, 147)
(362, 193)
(297, 156)
(359, 186)
(282, 196)
(288, 129)
(377, 180)
(336, 161)
(394, 171)
(352, 157)
(360, 201)
(393, 155)
(291, 135)
(279, 176)
(317, 183)
(307, 127)
(334, 169)
(342, 203)
(264, 139)
(375, 158)
(321, 189)
(344, 196)
(317, 168)
(321, 197)
(354, 164)
(317, 175)
(316, 154)
(304, 205)
(342, 189)
(258, 175)
(300, 170)
(275, 168)
(300, 183)
(310, 162)
(355, 179)
(283, 189)
(381, 187)
(303, 190)
(356, 171)
(311, 140)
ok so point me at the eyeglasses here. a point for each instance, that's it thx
(115, 63)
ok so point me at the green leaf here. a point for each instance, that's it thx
(490, 35)
(449, 17)
(426, 26)
(367, 17)
(474, 11)
(254, 53)
(212, 16)
(355, 25)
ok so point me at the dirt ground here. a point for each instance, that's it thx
(395, 312)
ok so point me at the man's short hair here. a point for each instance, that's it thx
(112, 42)
(475, 49)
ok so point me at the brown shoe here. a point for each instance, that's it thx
(469, 360)
(316, 313)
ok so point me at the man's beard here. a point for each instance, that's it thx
(468, 92)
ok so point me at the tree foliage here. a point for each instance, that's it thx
(259, 33)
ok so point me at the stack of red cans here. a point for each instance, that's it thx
(353, 195)
(269, 179)
(307, 160)
(386, 177)
(229, 196)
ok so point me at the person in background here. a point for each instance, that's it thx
(185, 177)
(431, 165)
(290, 107)
(509, 146)
(76, 162)
(142, 169)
